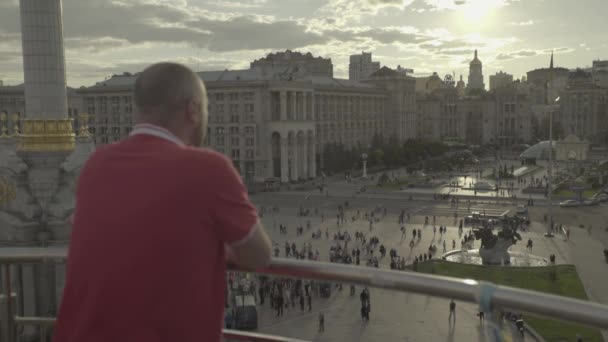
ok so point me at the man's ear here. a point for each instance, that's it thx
(193, 110)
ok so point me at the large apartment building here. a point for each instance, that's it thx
(273, 119)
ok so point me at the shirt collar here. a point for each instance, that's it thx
(157, 131)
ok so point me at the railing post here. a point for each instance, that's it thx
(7, 305)
(4, 324)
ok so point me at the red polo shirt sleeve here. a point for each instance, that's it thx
(234, 215)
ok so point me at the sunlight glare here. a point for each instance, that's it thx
(477, 12)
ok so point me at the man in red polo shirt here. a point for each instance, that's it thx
(156, 217)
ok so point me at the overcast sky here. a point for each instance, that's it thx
(103, 37)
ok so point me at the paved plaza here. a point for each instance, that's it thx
(405, 316)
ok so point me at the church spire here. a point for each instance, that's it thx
(475, 53)
(551, 65)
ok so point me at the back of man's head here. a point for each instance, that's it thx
(165, 88)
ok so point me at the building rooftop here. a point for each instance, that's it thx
(272, 73)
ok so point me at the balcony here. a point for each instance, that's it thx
(489, 297)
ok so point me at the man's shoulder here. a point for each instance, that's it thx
(203, 155)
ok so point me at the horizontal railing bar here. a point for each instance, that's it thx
(13, 255)
(228, 333)
(33, 320)
(564, 308)
(256, 337)
(553, 306)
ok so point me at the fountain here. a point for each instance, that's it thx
(494, 249)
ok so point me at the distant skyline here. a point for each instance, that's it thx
(105, 37)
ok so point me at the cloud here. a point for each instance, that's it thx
(439, 5)
(531, 53)
(237, 4)
(106, 22)
(516, 54)
(523, 23)
(345, 13)
(385, 35)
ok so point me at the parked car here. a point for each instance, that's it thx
(601, 197)
(591, 201)
(521, 210)
(570, 203)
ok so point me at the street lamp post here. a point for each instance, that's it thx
(364, 159)
(549, 232)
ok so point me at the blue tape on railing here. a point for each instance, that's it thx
(486, 294)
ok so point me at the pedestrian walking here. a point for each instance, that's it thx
(452, 316)
(301, 303)
(321, 322)
(309, 298)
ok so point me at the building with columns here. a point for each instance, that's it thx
(583, 108)
(501, 118)
(274, 121)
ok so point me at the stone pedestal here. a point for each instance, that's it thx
(497, 255)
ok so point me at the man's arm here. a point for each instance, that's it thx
(254, 251)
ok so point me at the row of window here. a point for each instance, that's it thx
(235, 154)
(234, 118)
(247, 96)
(220, 130)
(232, 108)
(103, 100)
(234, 141)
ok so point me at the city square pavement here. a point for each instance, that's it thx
(394, 316)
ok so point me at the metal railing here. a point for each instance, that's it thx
(486, 294)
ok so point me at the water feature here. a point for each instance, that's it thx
(494, 248)
(472, 257)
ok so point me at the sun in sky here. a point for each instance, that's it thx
(476, 13)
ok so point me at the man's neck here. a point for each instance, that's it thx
(153, 128)
(168, 127)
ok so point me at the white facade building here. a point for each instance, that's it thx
(274, 121)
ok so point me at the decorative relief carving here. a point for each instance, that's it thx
(46, 135)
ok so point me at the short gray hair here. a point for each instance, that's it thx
(163, 88)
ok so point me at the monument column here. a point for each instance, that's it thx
(43, 59)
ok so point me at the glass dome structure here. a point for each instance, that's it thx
(539, 151)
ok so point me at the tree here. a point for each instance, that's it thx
(383, 179)
(376, 157)
(377, 141)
